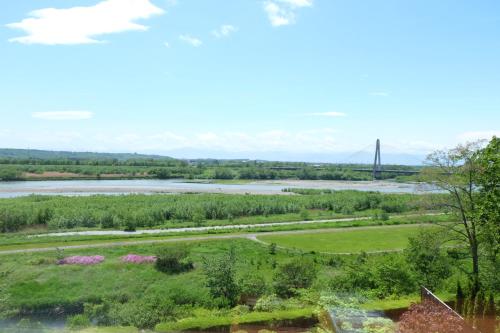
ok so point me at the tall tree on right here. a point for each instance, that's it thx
(467, 174)
(488, 209)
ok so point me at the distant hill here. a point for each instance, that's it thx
(34, 154)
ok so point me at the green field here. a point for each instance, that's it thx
(34, 283)
(348, 241)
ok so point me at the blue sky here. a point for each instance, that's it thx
(287, 79)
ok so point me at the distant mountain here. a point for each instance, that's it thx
(35, 154)
(334, 157)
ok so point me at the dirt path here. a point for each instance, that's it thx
(250, 236)
(217, 227)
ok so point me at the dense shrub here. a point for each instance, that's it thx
(173, 260)
(253, 285)
(296, 274)
(78, 321)
(426, 257)
(384, 276)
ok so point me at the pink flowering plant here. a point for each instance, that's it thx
(81, 260)
(137, 259)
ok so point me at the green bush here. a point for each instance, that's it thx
(252, 284)
(78, 321)
(173, 260)
(298, 273)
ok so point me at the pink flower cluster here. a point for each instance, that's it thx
(81, 260)
(137, 259)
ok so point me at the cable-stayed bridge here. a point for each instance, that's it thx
(377, 169)
(358, 162)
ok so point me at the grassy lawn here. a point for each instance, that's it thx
(17, 241)
(342, 241)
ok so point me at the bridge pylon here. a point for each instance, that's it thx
(377, 164)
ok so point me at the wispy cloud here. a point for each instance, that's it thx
(224, 31)
(478, 135)
(283, 12)
(80, 25)
(327, 114)
(63, 115)
(166, 44)
(380, 93)
(193, 41)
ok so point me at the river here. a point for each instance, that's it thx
(152, 186)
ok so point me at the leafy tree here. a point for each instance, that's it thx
(7, 174)
(220, 275)
(298, 273)
(426, 257)
(393, 277)
(161, 173)
(488, 207)
(459, 172)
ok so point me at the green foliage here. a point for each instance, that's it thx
(78, 322)
(296, 274)
(138, 211)
(272, 248)
(304, 215)
(426, 257)
(376, 276)
(97, 165)
(130, 225)
(220, 275)
(488, 210)
(10, 173)
(394, 278)
(269, 303)
(252, 284)
(173, 260)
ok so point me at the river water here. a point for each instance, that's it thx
(152, 186)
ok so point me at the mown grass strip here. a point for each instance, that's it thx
(348, 241)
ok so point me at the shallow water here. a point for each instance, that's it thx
(152, 186)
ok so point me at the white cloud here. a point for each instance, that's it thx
(327, 114)
(298, 3)
(478, 135)
(193, 41)
(283, 12)
(63, 115)
(166, 44)
(224, 31)
(379, 93)
(80, 25)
